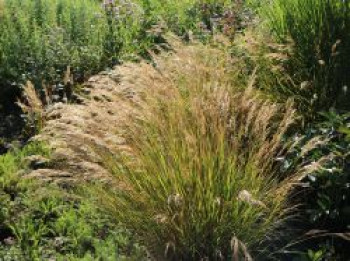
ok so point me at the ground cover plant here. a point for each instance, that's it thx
(42, 222)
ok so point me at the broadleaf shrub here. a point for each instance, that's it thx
(326, 201)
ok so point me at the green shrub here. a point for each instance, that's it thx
(320, 49)
(200, 17)
(39, 39)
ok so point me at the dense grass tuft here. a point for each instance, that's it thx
(201, 177)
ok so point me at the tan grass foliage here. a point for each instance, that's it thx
(32, 103)
(188, 148)
(201, 151)
(75, 130)
(32, 106)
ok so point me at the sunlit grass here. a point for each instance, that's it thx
(201, 178)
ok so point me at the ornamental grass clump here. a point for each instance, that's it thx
(318, 32)
(200, 179)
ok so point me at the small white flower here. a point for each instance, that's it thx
(321, 62)
(245, 196)
(304, 85)
(345, 89)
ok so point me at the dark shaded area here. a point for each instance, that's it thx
(322, 221)
(11, 119)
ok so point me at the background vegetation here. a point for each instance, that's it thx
(318, 33)
(40, 39)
